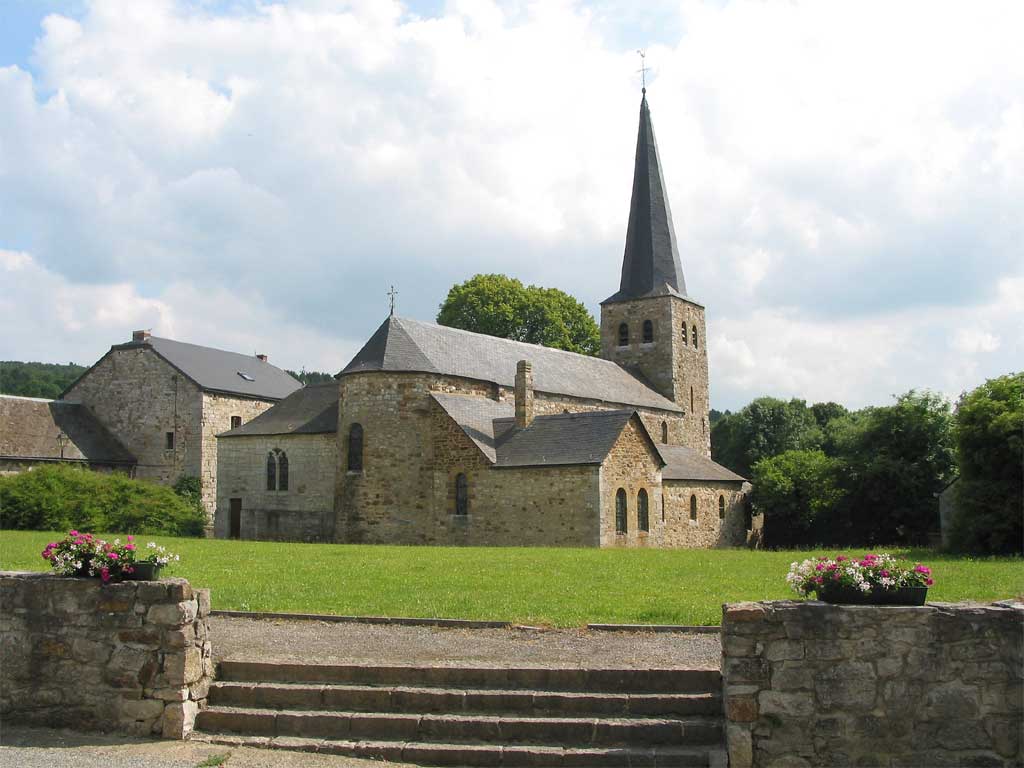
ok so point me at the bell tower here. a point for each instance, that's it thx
(650, 325)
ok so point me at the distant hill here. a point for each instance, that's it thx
(311, 377)
(37, 379)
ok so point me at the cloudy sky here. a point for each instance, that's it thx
(847, 179)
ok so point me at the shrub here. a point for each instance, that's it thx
(54, 498)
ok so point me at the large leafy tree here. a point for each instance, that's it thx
(766, 427)
(990, 447)
(798, 493)
(37, 379)
(502, 306)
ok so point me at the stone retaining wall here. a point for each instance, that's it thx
(807, 683)
(132, 657)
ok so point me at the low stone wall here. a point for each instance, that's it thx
(807, 683)
(132, 657)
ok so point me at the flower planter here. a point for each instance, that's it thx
(144, 572)
(851, 596)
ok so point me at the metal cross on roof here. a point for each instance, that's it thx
(391, 295)
(644, 69)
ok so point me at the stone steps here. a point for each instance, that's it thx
(463, 715)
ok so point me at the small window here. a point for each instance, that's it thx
(236, 422)
(685, 342)
(271, 472)
(663, 506)
(620, 510)
(721, 507)
(169, 441)
(664, 432)
(691, 399)
(648, 332)
(461, 495)
(695, 344)
(623, 335)
(355, 448)
(693, 507)
(282, 471)
(642, 520)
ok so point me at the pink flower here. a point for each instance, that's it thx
(131, 538)
(885, 574)
(819, 567)
(929, 582)
(105, 574)
(72, 533)
(841, 558)
(835, 577)
(818, 580)
(129, 547)
(112, 555)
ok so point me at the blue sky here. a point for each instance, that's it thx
(846, 177)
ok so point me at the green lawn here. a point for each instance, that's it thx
(560, 587)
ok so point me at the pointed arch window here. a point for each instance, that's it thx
(620, 510)
(461, 495)
(271, 472)
(685, 341)
(648, 332)
(643, 521)
(695, 341)
(355, 448)
(693, 507)
(277, 470)
(664, 432)
(721, 507)
(623, 335)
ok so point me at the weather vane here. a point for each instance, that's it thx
(644, 69)
(391, 296)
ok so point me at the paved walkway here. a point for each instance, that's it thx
(339, 643)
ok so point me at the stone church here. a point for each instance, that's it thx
(433, 435)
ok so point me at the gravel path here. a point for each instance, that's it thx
(22, 747)
(338, 643)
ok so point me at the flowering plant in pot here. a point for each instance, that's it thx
(150, 560)
(872, 579)
(82, 554)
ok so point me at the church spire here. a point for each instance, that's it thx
(650, 264)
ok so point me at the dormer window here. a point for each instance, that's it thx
(648, 332)
(623, 335)
(245, 375)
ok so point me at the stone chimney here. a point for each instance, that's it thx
(524, 394)
(261, 358)
(140, 336)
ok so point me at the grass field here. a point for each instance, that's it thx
(559, 587)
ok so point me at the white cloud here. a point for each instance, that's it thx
(846, 177)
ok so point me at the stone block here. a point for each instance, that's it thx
(739, 744)
(791, 676)
(141, 709)
(167, 694)
(200, 689)
(150, 592)
(848, 685)
(147, 638)
(183, 667)
(741, 709)
(789, 761)
(888, 666)
(786, 704)
(91, 651)
(119, 601)
(745, 670)
(1005, 735)
(203, 600)
(176, 639)
(737, 645)
(779, 650)
(743, 612)
(172, 614)
(178, 720)
(952, 700)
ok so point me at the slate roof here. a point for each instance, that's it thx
(308, 411)
(683, 463)
(554, 440)
(29, 428)
(650, 262)
(217, 370)
(401, 344)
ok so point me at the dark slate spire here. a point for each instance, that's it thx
(650, 264)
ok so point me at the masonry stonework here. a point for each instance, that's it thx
(632, 466)
(812, 684)
(132, 657)
(708, 529)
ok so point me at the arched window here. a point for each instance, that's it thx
(623, 335)
(663, 506)
(271, 472)
(721, 507)
(695, 342)
(693, 507)
(648, 331)
(642, 520)
(282, 471)
(664, 431)
(355, 448)
(691, 399)
(685, 342)
(461, 495)
(620, 510)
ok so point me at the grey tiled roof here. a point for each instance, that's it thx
(401, 344)
(219, 371)
(29, 428)
(476, 416)
(650, 262)
(306, 411)
(687, 464)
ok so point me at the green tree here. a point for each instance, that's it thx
(896, 459)
(47, 380)
(990, 448)
(764, 428)
(310, 377)
(798, 493)
(502, 306)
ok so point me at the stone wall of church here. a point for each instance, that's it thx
(677, 366)
(708, 530)
(631, 465)
(140, 398)
(216, 418)
(304, 512)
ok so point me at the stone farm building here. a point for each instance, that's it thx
(433, 435)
